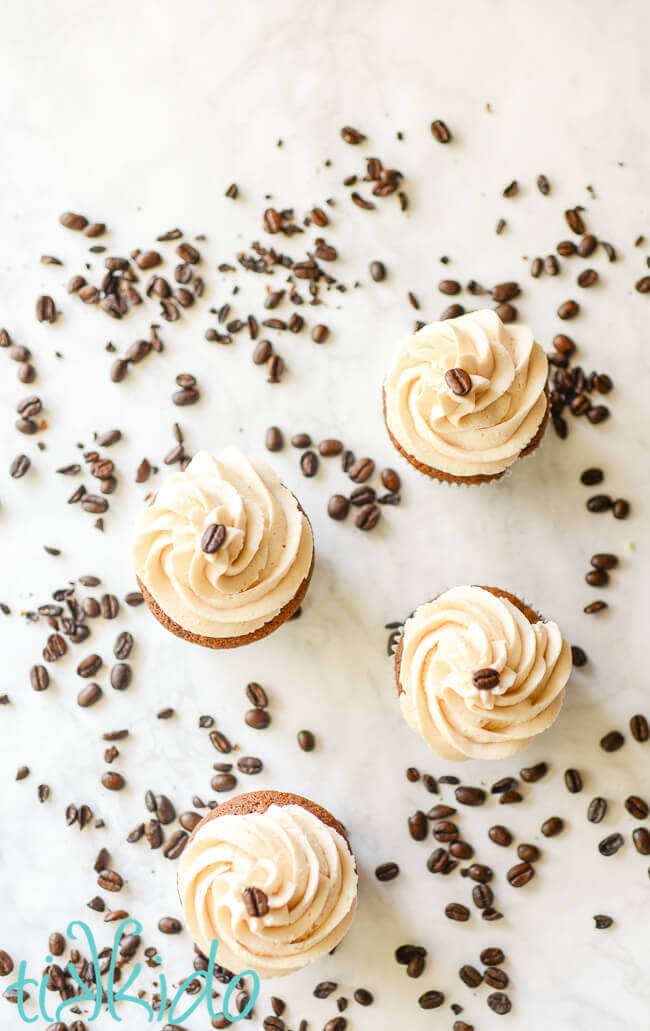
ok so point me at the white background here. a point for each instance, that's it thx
(141, 115)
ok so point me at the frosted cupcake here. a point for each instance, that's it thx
(272, 876)
(479, 674)
(464, 398)
(224, 553)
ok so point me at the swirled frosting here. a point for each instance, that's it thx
(469, 629)
(266, 554)
(305, 869)
(483, 431)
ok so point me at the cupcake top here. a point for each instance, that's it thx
(277, 888)
(224, 546)
(478, 679)
(466, 396)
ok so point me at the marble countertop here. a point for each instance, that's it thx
(142, 115)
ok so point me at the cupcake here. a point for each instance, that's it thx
(464, 398)
(224, 553)
(479, 674)
(273, 878)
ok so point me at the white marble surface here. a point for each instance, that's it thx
(142, 115)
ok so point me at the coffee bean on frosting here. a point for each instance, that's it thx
(255, 901)
(213, 537)
(458, 381)
(485, 679)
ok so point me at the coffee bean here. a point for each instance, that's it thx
(588, 277)
(637, 807)
(610, 845)
(458, 381)
(595, 606)
(169, 925)
(531, 774)
(377, 271)
(220, 742)
(89, 695)
(431, 784)
(368, 517)
(440, 131)
(499, 1003)
(482, 896)
(470, 976)
(452, 312)
(255, 901)
(415, 966)
(492, 957)
(306, 740)
(250, 765)
(113, 781)
(6, 963)
(89, 666)
(639, 728)
(176, 845)
(404, 953)
(621, 509)
(456, 911)
(642, 285)
(568, 310)
(440, 812)
(612, 741)
(73, 221)
(461, 850)
(258, 719)
(123, 645)
(604, 560)
(121, 676)
(223, 782)
(599, 503)
(387, 871)
(39, 678)
(361, 470)
(189, 820)
(552, 827)
(309, 463)
(528, 853)
(500, 835)
(449, 286)
(431, 1000)
(470, 796)
(274, 439)
(574, 221)
(110, 880)
(520, 874)
(573, 781)
(362, 496)
(597, 810)
(496, 978)
(109, 606)
(256, 695)
(338, 507)
(330, 447)
(598, 414)
(185, 396)
(445, 831)
(319, 334)
(485, 679)
(19, 467)
(213, 538)
(641, 839)
(597, 578)
(602, 922)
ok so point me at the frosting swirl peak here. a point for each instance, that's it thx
(470, 630)
(305, 870)
(483, 425)
(256, 569)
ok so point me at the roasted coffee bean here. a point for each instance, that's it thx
(536, 267)
(621, 509)
(461, 850)
(470, 796)
(94, 503)
(531, 774)
(573, 781)
(185, 396)
(431, 784)
(598, 414)
(249, 765)
(153, 833)
(213, 538)
(113, 781)
(258, 719)
(568, 310)
(415, 966)
(220, 742)
(431, 1000)
(362, 496)
(452, 312)
(520, 874)
(574, 221)
(597, 810)
(496, 978)
(458, 381)
(504, 784)
(262, 353)
(363, 997)
(481, 873)
(56, 944)
(637, 807)
(578, 655)
(639, 728)
(274, 439)
(597, 578)
(412, 773)
(22, 773)
(551, 265)
(506, 312)
(176, 845)
(377, 271)
(611, 844)
(456, 911)
(482, 896)
(440, 862)
(55, 648)
(642, 285)
(43, 792)
(602, 922)
(595, 606)
(109, 606)
(404, 953)
(324, 989)
(500, 835)
(306, 740)
(189, 820)
(301, 440)
(612, 741)
(123, 645)
(165, 810)
(330, 447)
(588, 277)
(510, 798)
(309, 463)
(46, 309)
(445, 831)
(499, 1003)
(641, 839)
(449, 286)
(368, 517)
(89, 695)
(255, 901)
(361, 470)
(319, 334)
(256, 695)
(599, 503)
(73, 221)
(169, 925)
(440, 812)
(121, 676)
(223, 782)
(492, 957)
(601, 382)
(552, 827)
(110, 880)
(19, 467)
(387, 871)
(440, 131)
(485, 679)
(470, 976)
(89, 666)
(39, 678)
(338, 507)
